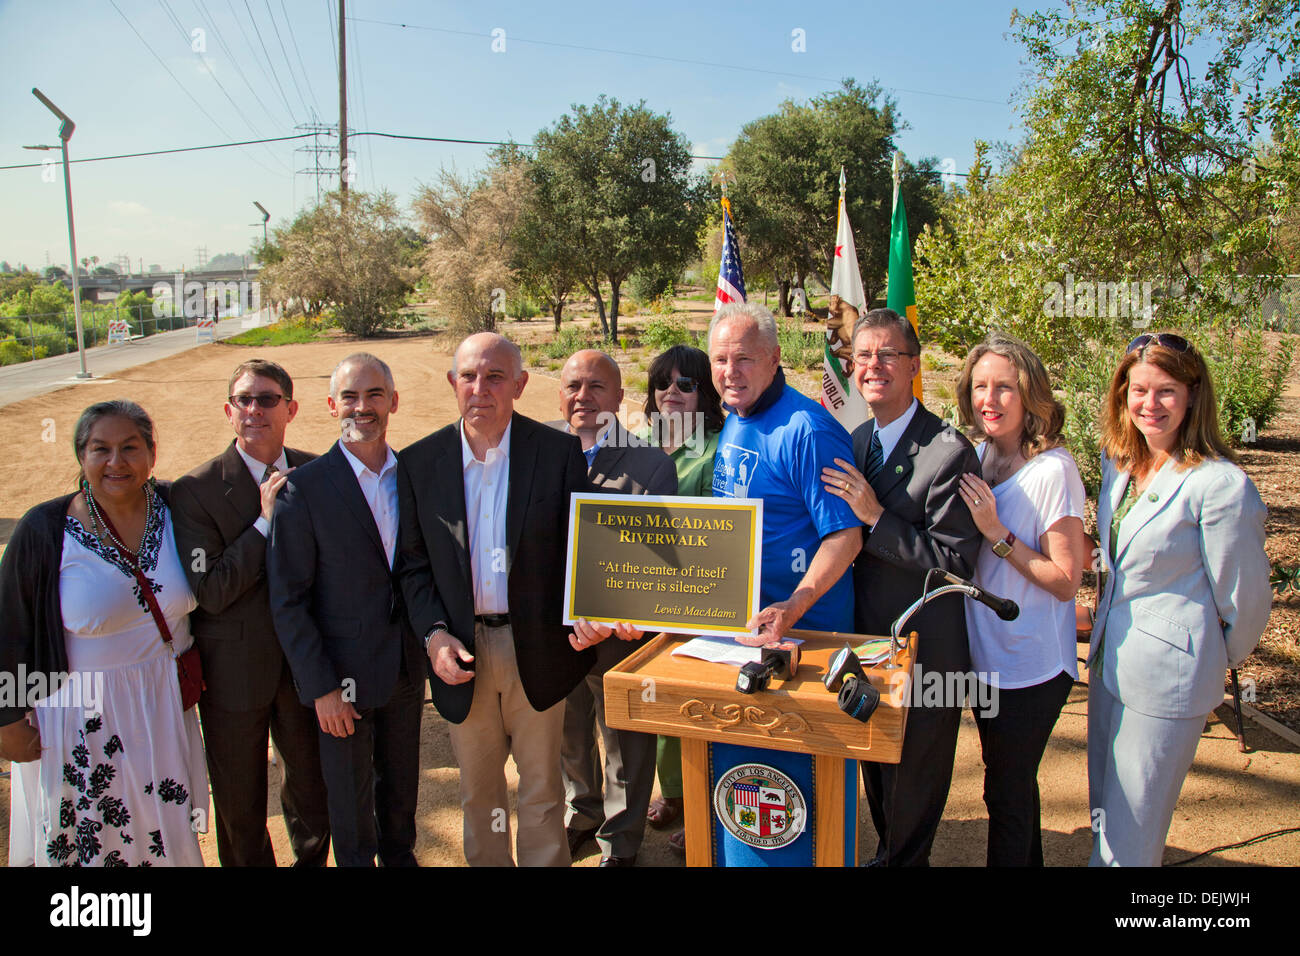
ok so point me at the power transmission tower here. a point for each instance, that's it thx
(319, 150)
(200, 258)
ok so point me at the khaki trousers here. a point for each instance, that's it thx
(503, 723)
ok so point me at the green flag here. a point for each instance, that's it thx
(901, 296)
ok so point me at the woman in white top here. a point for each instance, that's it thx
(108, 766)
(1029, 507)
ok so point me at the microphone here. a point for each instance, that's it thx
(1002, 607)
(778, 660)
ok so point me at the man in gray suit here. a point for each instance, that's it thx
(591, 390)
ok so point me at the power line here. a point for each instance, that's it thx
(165, 152)
(668, 59)
(275, 76)
(261, 64)
(285, 53)
(216, 29)
(182, 86)
(361, 91)
(293, 37)
(239, 110)
(351, 134)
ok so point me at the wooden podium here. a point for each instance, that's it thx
(653, 692)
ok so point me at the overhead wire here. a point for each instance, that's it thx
(285, 53)
(211, 72)
(164, 152)
(360, 87)
(275, 76)
(669, 59)
(184, 89)
(293, 37)
(234, 61)
(351, 134)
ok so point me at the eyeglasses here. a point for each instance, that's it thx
(886, 356)
(1163, 339)
(263, 400)
(685, 384)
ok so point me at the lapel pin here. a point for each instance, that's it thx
(898, 469)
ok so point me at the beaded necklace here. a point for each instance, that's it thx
(101, 528)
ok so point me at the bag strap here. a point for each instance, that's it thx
(146, 586)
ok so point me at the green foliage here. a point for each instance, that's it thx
(799, 349)
(1284, 579)
(567, 341)
(614, 183)
(786, 186)
(288, 332)
(662, 334)
(1248, 388)
(347, 251)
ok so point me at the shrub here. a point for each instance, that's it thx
(799, 349)
(1248, 388)
(566, 342)
(663, 334)
(13, 352)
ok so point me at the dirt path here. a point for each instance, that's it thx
(1228, 796)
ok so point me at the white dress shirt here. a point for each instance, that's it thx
(258, 469)
(380, 492)
(486, 483)
(891, 433)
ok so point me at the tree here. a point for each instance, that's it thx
(469, 222)
(614, 183)
(786, 169)
(347, 252)
(1143, 195)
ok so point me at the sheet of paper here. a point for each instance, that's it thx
(721, 650)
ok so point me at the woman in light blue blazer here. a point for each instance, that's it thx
(1185, 598)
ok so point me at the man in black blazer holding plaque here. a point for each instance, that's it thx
(484, 509)
(612, 809)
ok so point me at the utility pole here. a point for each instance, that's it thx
(343, 103)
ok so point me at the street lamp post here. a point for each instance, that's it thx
(265, 217)
(65, 134)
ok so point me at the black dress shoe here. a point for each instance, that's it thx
(577, 837)
(618, 861)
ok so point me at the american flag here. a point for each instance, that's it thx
(745, 794)
(731, 280)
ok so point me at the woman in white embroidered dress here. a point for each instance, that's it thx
(109, 770)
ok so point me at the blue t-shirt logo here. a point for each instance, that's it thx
(733, 471)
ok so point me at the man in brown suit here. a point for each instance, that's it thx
(221, 512)
(591, 390)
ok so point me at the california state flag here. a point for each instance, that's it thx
(838, 394)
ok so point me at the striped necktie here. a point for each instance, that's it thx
(875, 456)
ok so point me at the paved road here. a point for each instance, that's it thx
(18, 382)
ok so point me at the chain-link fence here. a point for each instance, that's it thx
(28, 337)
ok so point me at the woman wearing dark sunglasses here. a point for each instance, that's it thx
(1186, 594)
(685, 417)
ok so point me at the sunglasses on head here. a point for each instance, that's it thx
(264, 400)
(685, 384)
(1163, 339)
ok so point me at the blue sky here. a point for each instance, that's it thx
(437, 77)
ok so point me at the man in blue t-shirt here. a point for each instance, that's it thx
(773, 446)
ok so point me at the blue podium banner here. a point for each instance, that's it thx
(763, 805)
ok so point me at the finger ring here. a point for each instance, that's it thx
(977, 501)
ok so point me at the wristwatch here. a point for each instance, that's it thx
(432, 631)
(1003, 548)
